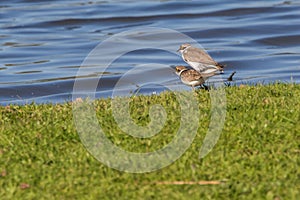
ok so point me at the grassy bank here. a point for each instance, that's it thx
(257, 155)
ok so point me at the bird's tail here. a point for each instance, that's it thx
(221, 67)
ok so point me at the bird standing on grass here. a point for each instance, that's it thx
(190, 77)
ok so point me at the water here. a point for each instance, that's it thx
(43, 44)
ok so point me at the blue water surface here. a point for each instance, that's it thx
(43, 44)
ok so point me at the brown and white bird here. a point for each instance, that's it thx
(199, 59)
(190, 77)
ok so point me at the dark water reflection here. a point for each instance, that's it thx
(44, 43)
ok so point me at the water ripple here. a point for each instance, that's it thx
(43, 43)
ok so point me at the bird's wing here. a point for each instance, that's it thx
(200, 67)
(191, 75)
(193, 54)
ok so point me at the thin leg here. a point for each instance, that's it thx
(205, 87)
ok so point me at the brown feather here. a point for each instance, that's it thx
(192, 75)
(194, 54)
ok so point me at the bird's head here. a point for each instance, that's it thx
(180, 69)
(183, 47)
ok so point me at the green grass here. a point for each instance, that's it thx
(256, 157)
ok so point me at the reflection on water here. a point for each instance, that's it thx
(44, 43)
